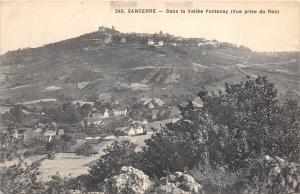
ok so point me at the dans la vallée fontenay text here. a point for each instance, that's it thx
(195, 11)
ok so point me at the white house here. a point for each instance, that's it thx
(105, 114)
(150, 105)
(150, 42)
(120, 112)
(200, 44)
(134, 129)
(130, 132)
(160, 43)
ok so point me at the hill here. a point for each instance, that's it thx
(87, 67)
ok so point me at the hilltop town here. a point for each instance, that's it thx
(113, 37)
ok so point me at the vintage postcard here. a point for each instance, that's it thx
(149, 97)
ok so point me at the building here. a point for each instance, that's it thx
(49, 135)
(160, 43)
(152, 102)
(108, 39)
(120, 112)
(123, 39)
(132, 130)
(174, 44)
(105, 114)
(102, 29)
(200, 44)
(150, 42)
(60, 133)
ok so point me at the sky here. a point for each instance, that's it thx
(36, 23)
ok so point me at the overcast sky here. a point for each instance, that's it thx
(33, 23)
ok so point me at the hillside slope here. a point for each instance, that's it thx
(84, 67)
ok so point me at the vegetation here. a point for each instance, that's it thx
(85, 150)
(245, 122)
(233, 128)
(116, 156)
(216, 143)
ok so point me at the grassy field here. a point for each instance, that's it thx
(70, 164)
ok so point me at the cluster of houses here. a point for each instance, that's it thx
(95, 117)
(153, 40)
(42, 132)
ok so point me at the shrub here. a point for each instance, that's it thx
(257, 124)
(216, 180)
(63, 185)
(117, 155)
(21, 178)
(272, 176)
(232, 128)
(183, 145)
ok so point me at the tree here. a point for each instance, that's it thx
(232, 128)
(117, 155)
(15, 115)
(182, 145)
(8, 143)
(257, 123)
(85, 109)
(21, 178)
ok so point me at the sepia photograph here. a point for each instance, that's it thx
(149, 97)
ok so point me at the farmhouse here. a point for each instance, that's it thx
(132, 130)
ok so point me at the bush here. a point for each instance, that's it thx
(217, 180)
(256, 123)
(232, 128)
(182, 145)
(117, 155)
(272, 176)
(63, 185)
(21, 178)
